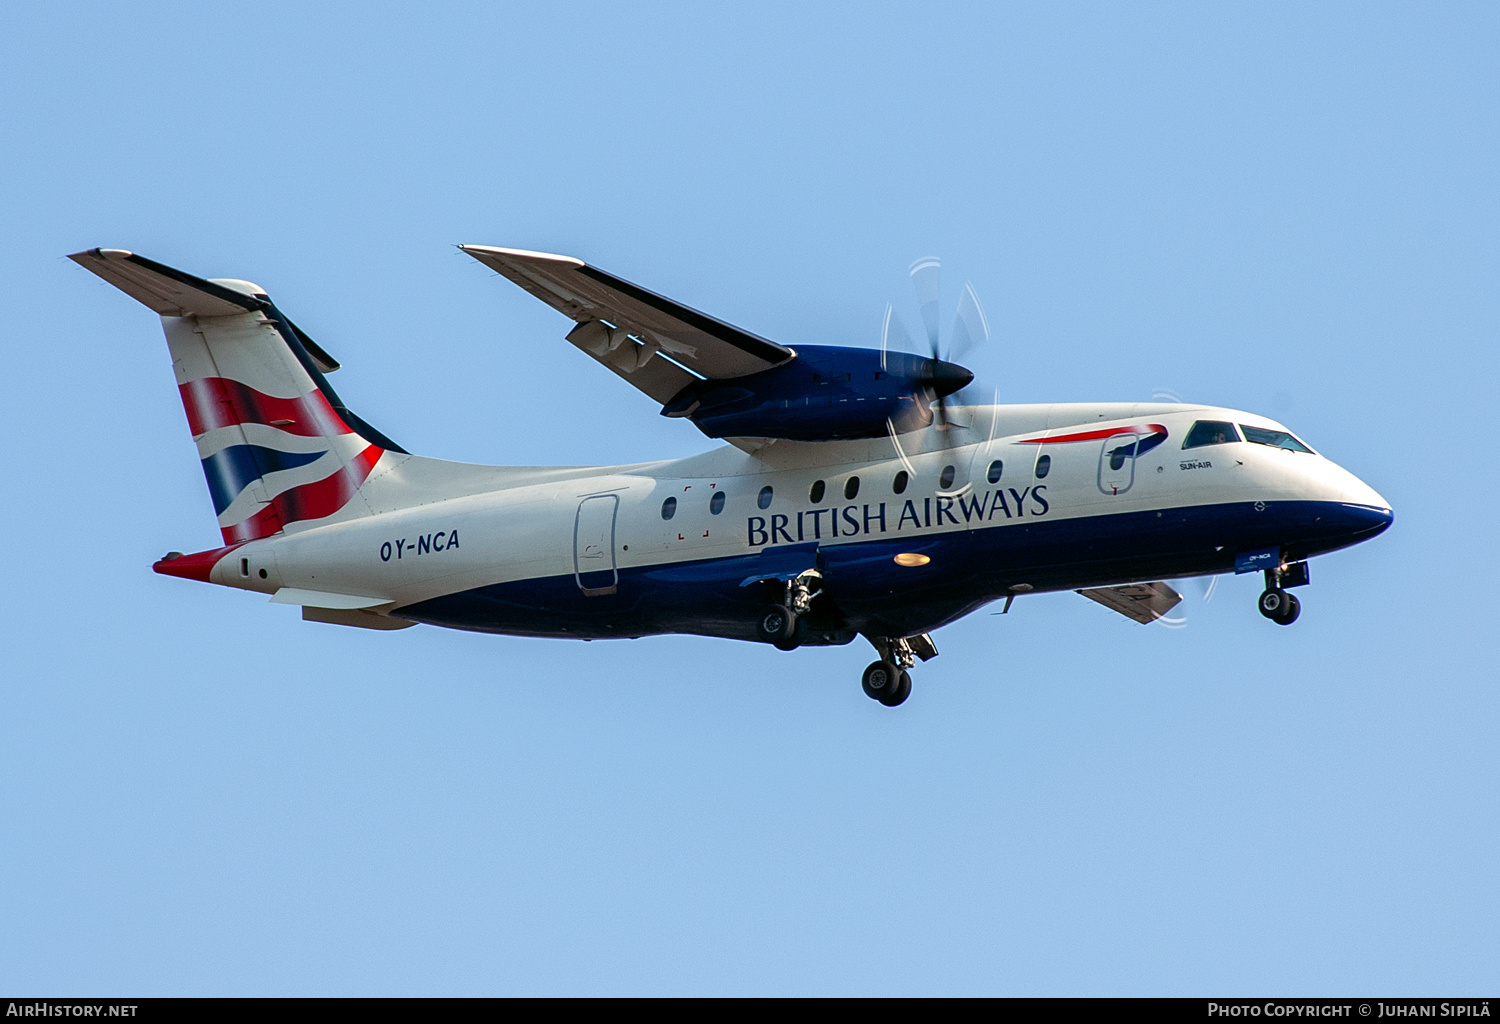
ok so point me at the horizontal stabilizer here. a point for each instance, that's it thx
(1143, 602)
(353, 617)
(170, 292)
(167, 291)
(320, 599)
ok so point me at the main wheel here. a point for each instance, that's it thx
(1273, 603)
(901, 691)
(881, 680)
(1291, 608)
(797, 638)
(776, 625)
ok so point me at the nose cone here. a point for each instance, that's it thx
(945, 378)
(1365, 521)
(1361, 493)
(1325, 480)
(1363, 513)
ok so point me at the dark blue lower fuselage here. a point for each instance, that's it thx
(865, 591)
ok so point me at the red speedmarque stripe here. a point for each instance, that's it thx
(309, 501)
(1094, 435)
(214, 402)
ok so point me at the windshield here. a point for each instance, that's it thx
(1207, 432)
(1274, 438)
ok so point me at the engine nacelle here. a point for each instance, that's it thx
(826, 393)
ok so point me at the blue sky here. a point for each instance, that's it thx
(1289, 208)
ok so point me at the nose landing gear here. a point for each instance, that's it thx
(1280, 607)
(1275, 603)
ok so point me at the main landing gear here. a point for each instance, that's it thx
(783, 624)
(887, 680)
(1275, 603)
(886, 683)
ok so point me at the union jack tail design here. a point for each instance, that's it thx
(277, 445)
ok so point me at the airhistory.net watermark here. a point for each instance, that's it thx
(44, 1008)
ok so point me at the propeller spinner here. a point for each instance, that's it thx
(941, 376)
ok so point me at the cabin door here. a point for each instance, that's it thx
(1117, 462)
(594, 545)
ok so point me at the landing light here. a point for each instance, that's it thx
(911, 559)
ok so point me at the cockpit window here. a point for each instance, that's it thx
(1274, 438)
(1206, 432)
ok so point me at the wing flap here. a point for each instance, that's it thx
(630, 359)
(1143, 602)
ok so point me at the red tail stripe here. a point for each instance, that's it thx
(1093, 435)
(214, 402)
(310, 501)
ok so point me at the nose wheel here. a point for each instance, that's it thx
(1276, 604)
(1280, 607)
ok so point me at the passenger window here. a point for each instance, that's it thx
(716, 503)
(898, 485)
(851, 487)
(996, 468)
(945, 478)
(1043, 466)
(669, 508)
(1207, 432)
(766, 494)
(1274, 438)
(816, 494)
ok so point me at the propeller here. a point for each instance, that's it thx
(941, 377)
(1201, 587)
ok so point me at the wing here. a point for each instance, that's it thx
(1143, 602)
(625, 327)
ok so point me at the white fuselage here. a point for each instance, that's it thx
(484, 527)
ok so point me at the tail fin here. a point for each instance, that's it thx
(277, 444)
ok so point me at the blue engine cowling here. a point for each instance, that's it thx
(824, 393)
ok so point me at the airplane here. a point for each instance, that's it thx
(853, 497)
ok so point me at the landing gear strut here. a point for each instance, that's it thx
(1276, 604)
(783, 624)
(887, 679)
